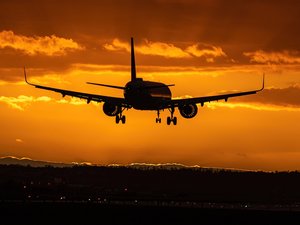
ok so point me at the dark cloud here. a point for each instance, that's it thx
(289, 96)
(235, 26)
(252, 23)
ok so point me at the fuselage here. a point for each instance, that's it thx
(146, 95)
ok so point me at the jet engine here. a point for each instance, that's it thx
(188, 111)
(111, 109)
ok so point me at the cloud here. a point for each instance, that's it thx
(117, 45)
(209, 51)
(47, 45)
(284, 57)
(183, 97)
(149, 48)
(167, 50)
(162, 49)
(23, 101)
(253, 106)
(72, 101)
(273, 99)
(285, 97)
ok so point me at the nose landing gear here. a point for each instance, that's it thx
(158, 119)
(170, 119)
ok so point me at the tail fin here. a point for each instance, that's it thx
(133, 70)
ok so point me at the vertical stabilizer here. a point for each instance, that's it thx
(133, 70)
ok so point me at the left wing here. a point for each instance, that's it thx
(202, 100)
(88, 97)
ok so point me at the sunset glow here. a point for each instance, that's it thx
(203, 47)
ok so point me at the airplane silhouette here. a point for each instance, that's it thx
(145, 95)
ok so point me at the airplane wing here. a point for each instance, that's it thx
(88, 97)
(202, 100)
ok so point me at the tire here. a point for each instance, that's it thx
(117, 119)
(123, 119)
(168, 120)
(175, 120)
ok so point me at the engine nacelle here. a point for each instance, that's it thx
(188, 111)
(111, 109)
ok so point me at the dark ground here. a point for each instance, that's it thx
(86, 213)
(122, 195)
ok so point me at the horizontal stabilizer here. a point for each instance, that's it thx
(159, 86)
(106, 85)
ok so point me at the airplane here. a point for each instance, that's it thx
(145, 95)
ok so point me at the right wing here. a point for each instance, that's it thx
(88, 97)
(202, 100)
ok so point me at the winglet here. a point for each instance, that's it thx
(25, 75)
(263, 83)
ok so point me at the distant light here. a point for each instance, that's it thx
(19, 140)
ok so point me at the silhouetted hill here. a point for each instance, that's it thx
(10, 160)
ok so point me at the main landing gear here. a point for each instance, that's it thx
(172, 118)
(120, 117)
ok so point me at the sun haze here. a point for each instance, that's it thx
(203, 47)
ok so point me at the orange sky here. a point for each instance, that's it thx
(203, 47)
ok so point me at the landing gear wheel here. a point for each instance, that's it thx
(123, 119)
(175, 120)
(169, 120)
(117, 119)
